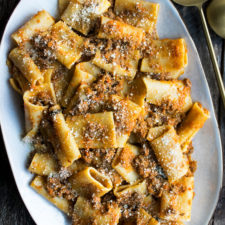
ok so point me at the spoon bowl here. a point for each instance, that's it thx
(190, 2)
(216, 16)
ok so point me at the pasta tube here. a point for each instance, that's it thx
(169, 155)
(85, 214)
(125, 122)
(82, 15)
(67, 150)
(124, 190)
(43, 164)
(38, 23)
(114, 29)
(122, 163)
(142, 14)
(38, 184)
(167, 57)
(192, 123)
(22, 60)
(93, 130)
(112, 63)
(64, 43)
(156, 132)
(89, 182)
(33, 112)
(84, 72)
(176, 93)
(177, 207)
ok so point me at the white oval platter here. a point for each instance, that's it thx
(207, 143)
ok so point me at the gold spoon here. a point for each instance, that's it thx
(199, 4)
(216, 16)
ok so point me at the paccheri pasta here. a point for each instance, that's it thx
(110, 123)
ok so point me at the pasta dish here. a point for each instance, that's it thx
(109, 121)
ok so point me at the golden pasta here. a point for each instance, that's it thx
(94, 130)
(110, 124)
(111, 62)
(180, 203)
(38, 184)
(33, 111)
(156, 132)
(38, 23)
(64, 44)
(113, 29)
(123, 163)
(138, 13)
(43, 164)
(85, 214)
(22, 60)
(167, 57)
(90, 182)
(82, 15)
(123, 190)
(66, 147)
(84, 72)
(169, 154)
(194, 120)
(176, 93)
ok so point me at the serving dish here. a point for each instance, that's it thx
(208, 151)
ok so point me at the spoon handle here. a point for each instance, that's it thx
(213, 56)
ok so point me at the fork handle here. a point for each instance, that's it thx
(213, 56)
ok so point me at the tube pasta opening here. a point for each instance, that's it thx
(140, 188)
(90, 181)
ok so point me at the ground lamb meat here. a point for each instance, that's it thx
(108, 84)
(130, 204)
(144, 166)
(99, 158)
(145, 162)
(58, 189)
(41, 53)
(157, 185)
(93, 99)
(141, 128)
(94, 131)
(43, 98)
(163, 115)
